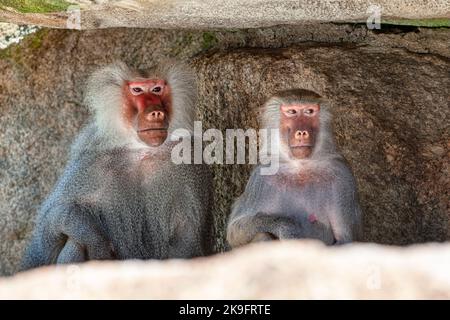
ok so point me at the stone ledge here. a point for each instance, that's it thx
(288, 270)
(196, 14)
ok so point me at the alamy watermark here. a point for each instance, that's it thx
(230, 149)
(73, 17)
(374, 19)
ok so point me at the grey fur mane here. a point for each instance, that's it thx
(104, 98)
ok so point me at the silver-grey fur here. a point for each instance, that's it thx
(314, 197)
(119, 198)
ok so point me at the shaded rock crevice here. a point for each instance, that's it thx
(381, 96)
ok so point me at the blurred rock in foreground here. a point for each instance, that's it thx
(288, 270)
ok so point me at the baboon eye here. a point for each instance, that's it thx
(136, 90)
(291, 111)
(309, 111)
(156, 89)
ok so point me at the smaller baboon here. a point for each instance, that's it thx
(313, 194)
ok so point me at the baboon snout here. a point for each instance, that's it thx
(156, 116)
(301, 134)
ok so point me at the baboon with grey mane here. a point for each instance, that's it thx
(121, 196)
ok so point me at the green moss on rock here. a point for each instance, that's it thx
(430, 23)
(31, 42)
(36, 6)
(35, 40)
(5, 53)
(209, 40)
(181, 43)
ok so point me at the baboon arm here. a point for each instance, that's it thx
(260, 226)
(340, 224)
(85, 236)
(345, 217)
(241, 231)
(66, 234)
(40, 251)
(71, 253)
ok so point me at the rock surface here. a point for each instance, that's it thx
(220, 13)
(389, 91)
(289, 270)
(395, 136)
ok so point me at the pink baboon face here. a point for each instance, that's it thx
(299, 126)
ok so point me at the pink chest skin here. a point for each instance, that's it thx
(312, 218)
